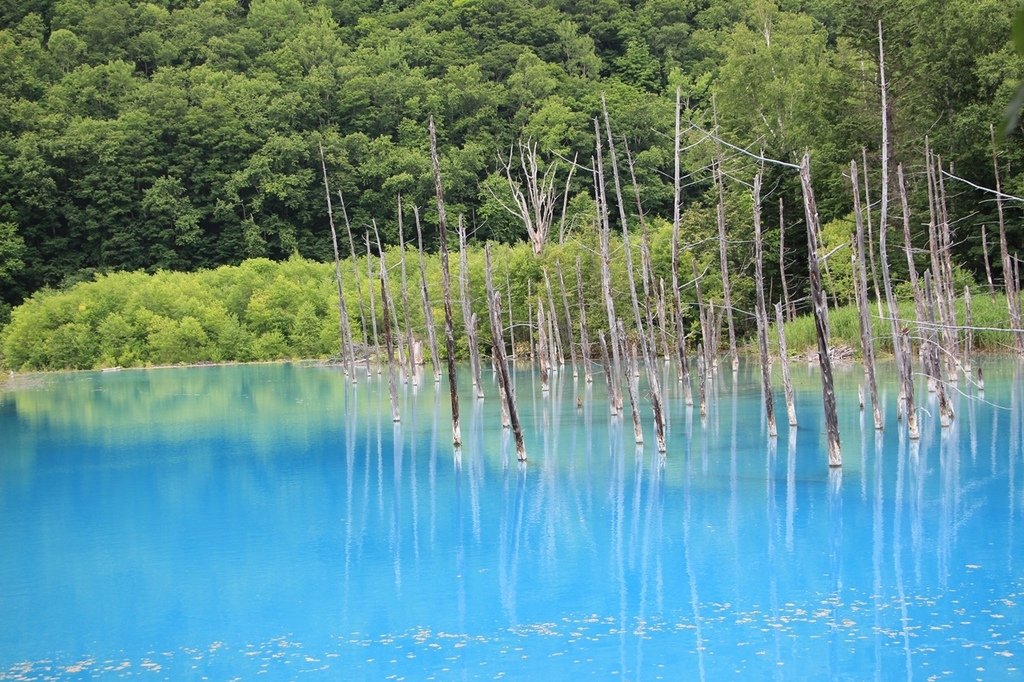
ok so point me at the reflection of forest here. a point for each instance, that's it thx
(279, 489)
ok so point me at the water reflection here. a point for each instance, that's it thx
(305, 515)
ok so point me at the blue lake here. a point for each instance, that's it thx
(232, 521)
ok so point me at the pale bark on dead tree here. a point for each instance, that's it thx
(988, 265)
(446, 286)
(908, 248)
(612, 404)
(787, 382)
(1009, 278)
(861, 286)
(558, 357)
(606, 271)
(702, 379)
(684, 369)
(906, 375)
(373, 306)
(354, 259)
(867, 211)
(568, 319)
(786, 302)
(347, 348)
(497, 337)
(762, 315)
(428, 314)
(968, 331)
(584, 341)
(533, 192)
(629, 353)
(946, 413)
(468, 319)
(389, 343)
(410, 343)
(504, 377)
(835, 456)
(390, 310)
(724, 263)
(706, 321)
(543, 354)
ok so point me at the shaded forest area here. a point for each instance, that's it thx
(182, 136)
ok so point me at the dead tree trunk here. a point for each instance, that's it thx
(469, 320)
(536, 205)
(684, 370)
(606, 271)
(867, 216)
(724, 261)
(584, 341)
(946, 414)
(702, 379)
(557, 353)
(948, 288)
(762, 315)
(508, 393)
(511, 320)
(988, 266)
(355, 271)
(612, 405)
(905, 357)
(1009, 278)
(968, 331)
(343, 323)
(410, 343)
(389, 310)
(787, 382)
(663, 334)
(629, 353)
(428, 314)
(543, 352)
(788, 304)
(446, 287)
(705, 320)
(389, 343)
(861, 286)
(908, 248)
(568, 318)
(373, 306)
(835, 456)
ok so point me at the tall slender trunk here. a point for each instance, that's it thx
(684, 369)
(343, 322)
(786, 302)
(863, 306)
(568, 318)
(389, 343)
(446, 286)
(787, 382)
(469, 320)
(508, 393)
(762, 315)
(584, 341)
(835, 456)
(410, 344)
(428, 314)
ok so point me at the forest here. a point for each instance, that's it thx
(171, 137)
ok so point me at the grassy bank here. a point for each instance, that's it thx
(989, 314)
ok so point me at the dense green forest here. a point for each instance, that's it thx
(149, 136)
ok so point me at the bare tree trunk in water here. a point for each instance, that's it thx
(446, 287)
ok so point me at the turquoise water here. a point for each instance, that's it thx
(233, 521)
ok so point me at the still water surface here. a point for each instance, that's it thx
(232, 521)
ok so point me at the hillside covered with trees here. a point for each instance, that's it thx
(183, 136)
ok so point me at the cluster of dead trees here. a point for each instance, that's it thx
(656, 314)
